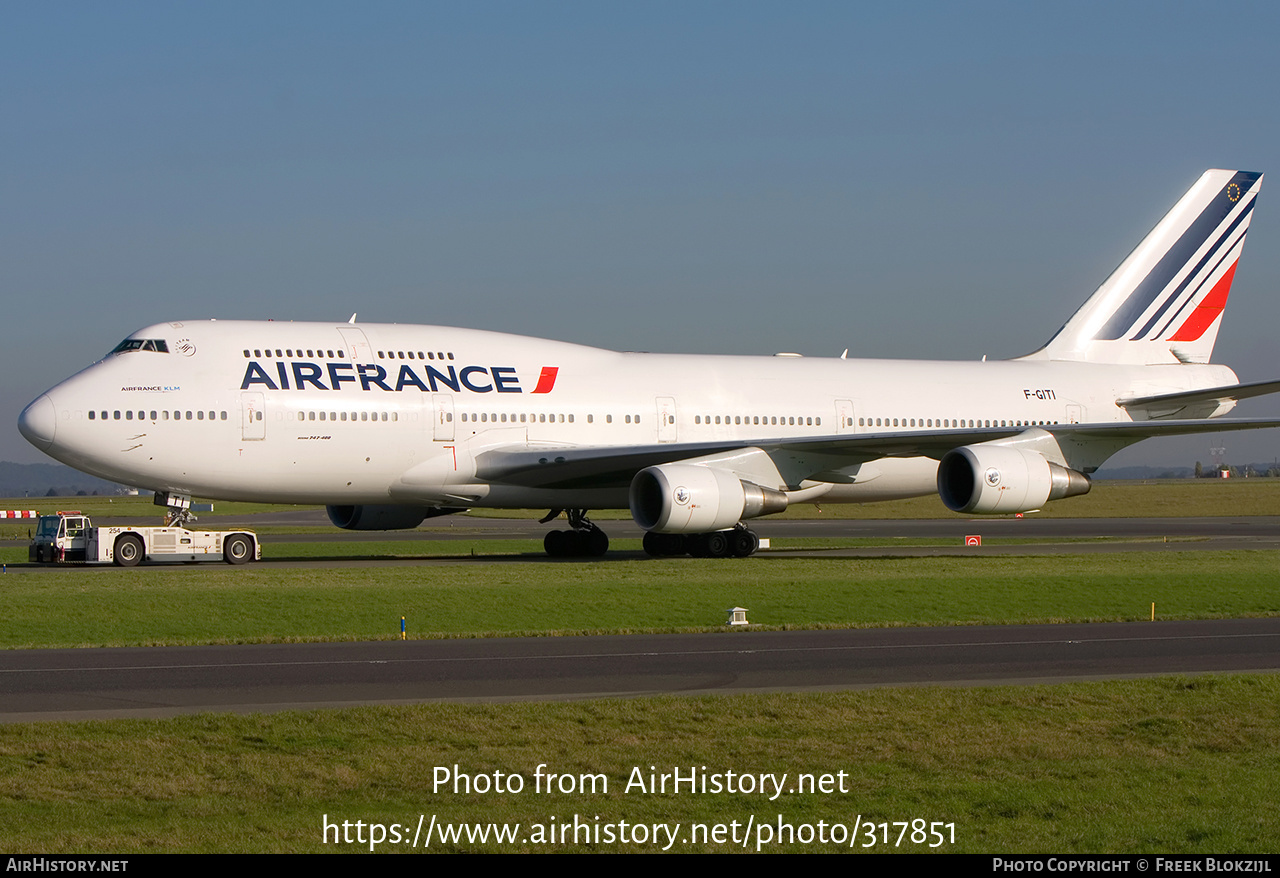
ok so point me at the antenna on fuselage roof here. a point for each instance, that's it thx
(353, 317)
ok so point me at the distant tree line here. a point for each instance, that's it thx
(1248, 471)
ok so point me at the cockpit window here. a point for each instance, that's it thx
(142, 344)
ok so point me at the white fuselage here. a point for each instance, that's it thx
(339, 413)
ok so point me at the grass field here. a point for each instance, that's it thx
(1166, 765)
(216, 603)
(1172, 765)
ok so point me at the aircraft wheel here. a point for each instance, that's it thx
(675, 544)
(652, 544)
(718, 545)
(554, 542)
(664, 545)
(745, 543)
(575, 543)
(596, 542)
(237, 549)
(697, 545)
(128, 551)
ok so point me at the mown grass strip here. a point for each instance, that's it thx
(1173, 765)
(509, 596)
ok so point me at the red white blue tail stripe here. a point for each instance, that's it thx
(1165, 301)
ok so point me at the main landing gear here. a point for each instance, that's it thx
(584, 541)
(737, 543)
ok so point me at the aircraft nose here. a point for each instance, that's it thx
(38, 422)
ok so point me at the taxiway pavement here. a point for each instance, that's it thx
(67, 684)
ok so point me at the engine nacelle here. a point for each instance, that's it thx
(990, 479)
(382, 517)
(680, 498)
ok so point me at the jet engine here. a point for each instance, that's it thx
(382, 517)
(678, 498)
(990, 479)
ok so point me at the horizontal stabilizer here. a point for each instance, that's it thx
(1167, 405)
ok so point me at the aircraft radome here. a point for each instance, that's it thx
(387, 425)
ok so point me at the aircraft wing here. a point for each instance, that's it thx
(1166, 405)
(571, 467)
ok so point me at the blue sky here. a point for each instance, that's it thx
(903, 180)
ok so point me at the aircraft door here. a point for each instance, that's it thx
(253, 416)
(357, 344)
(1075, 414)
(442, 417)
(666, 419)
(844, 416)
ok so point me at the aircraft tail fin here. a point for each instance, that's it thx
(1164, 303)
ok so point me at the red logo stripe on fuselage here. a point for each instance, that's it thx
(546, 379)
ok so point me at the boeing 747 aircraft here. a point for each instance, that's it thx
(387, 425)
